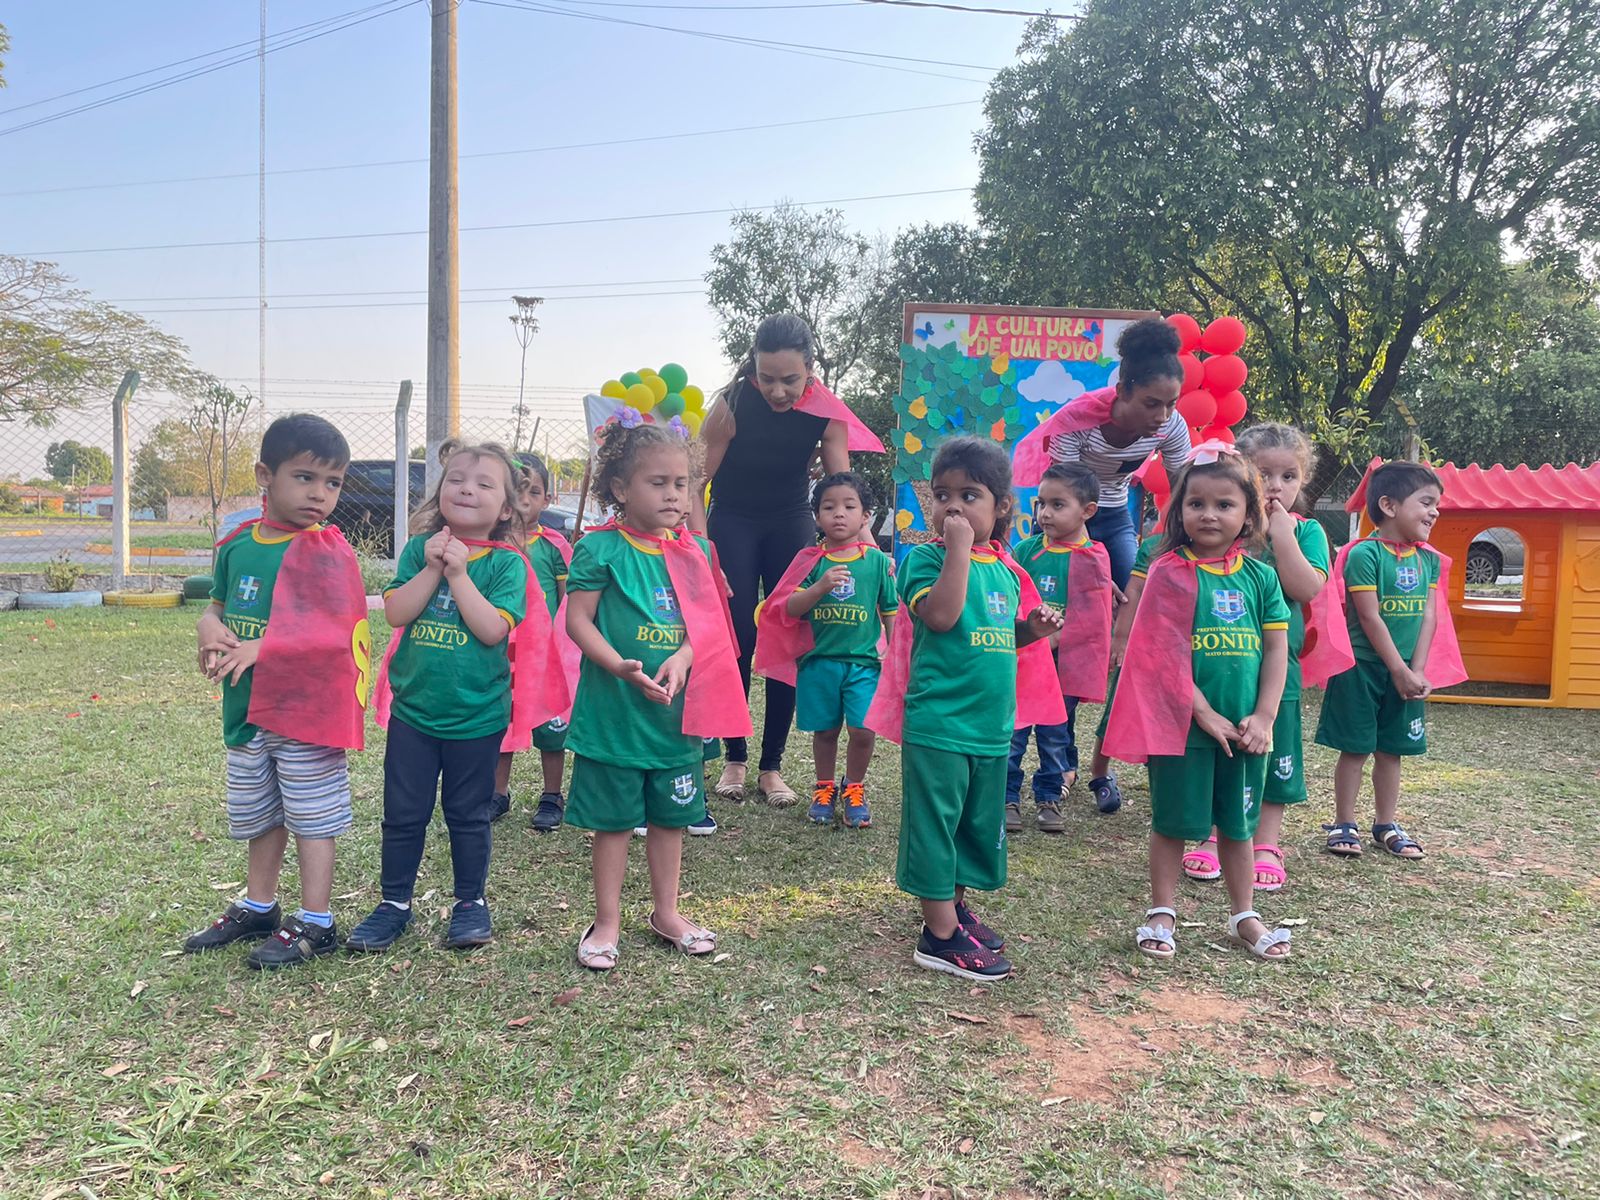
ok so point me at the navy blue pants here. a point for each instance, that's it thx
(1058, 754)
(413, 765)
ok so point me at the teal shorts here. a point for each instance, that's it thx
(551, 736)
(1286, 774)
(952, 822)
(609, 799)
(1205, 788)
(830, 692)
(1362, 713)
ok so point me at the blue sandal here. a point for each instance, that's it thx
(1344, 840)
(1395, 840)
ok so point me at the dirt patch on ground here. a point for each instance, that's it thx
(1505, 865)
(862, 1156)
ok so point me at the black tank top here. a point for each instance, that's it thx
(765, 469)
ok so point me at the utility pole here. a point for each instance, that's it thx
(261, 215)
(524, 324)
(444, 334)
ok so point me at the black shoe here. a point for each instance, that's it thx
(236, 924)
(552, 810)
(985, 937)
(1107, 795)
(469, 925)
(960, 955)
(294, 943)
(380, 930)
(499, 806)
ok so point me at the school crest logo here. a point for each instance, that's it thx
(1416, 731)
(1407, 577)
(555, 725)
(1285, 767)
(1047, 586)
(443, 602)
(249, 589)
(999, 604)
(846, 589)
(1227, 605)
(666, 603)
(1249, 798)
(683, 789)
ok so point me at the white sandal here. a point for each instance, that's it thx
(1166, 938)
(1260, 947)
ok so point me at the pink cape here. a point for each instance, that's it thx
(1087, 628)
(1444, 667)
(1154, 704)
(567, 652)
(310, 679)
(820, 402)
(782, 640)
(1326, 651)
(539, 689)
(714, 703)
(1038, 697)
(1031, 458)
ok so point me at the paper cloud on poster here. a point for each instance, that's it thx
(1050, 383)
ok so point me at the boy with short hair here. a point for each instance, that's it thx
(1393, 612)
(1069, 495)
(276, 785)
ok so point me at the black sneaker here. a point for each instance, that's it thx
(705, 826)
(960, 955)
(294, 943)
(986, 937)
(380, 930)
(552, 810)
(236, 924)
(1107, 795)
(469, 925)
(499, 806)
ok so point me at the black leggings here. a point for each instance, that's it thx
(755, 552)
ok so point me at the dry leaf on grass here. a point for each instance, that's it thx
(969, 1018)
(965, 1145)
(406, 1082)
(567, 997)
(1053, 1101)
(115, 1069)
(1150, 1047)
(1316, 1117)
(225, 887)
(326, 1178)
(223, 1012)
(819, 969)
(139, 985)
(397, 967)
(379, 1045)
(518, 1022)
(317, 1039)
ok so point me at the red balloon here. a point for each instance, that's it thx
(1230, 409)
(1188, 331)
(1193, 371)
(1225, 373)
(1217, 433)
(1223, 336)
(1199, 407)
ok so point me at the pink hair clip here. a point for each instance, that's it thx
(1208, 452)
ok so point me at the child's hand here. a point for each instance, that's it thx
(1119, 647)
(1043, 621)
(231, 664)
(958, 535)
(674, 673)
(1255, 734)
(631, 670)
(1424, 688)
(433, 549)
(834, 576)
(1216, 726)
(455, 559)
(213, 638)
(1410, 684)
(1280, 522)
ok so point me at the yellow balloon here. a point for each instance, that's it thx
(640, 396)
(646, 373)
(692, 420)
(693, 398)
(615, 389)
(657, 386)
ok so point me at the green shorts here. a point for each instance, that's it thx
(1362, 712)
(952, 822)
(551, 736)
(1105, 711)
(1205, 788)
(1286, 775)
(609, 799)
(830, 692)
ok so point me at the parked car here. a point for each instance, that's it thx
(365, 511)
(1493, 553)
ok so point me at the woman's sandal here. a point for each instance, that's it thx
(1166, 939)
(730, 791)
(695, 937)
(1261, 947)
(597, 958)
(1392, 838)
(1276, 875)
(779, 798)
(1201, 864)
(1343, 839)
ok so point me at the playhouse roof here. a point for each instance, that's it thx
(1474, 488)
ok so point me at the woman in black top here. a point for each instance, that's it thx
(759, 449)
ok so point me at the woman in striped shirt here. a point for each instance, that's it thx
(1144, 417)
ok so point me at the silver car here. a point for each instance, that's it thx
(1493, 553)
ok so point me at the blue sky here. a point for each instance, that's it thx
(528, 79)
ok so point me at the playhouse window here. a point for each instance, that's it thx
(1493, 569)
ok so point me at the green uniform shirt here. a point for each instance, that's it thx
(549, 568)
(1313, 542)
(962, 695)
(845, 623)
(1049, 565)
(1147, 551)
(247, 569)
(446, 682)
(1233, 607)
(1403, 579)
(639, 618)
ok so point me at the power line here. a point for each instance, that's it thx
(407, 162)
(342, 237)
(960, 8)
(157, 312)
(501, 292)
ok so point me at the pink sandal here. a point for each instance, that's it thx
(1202, 864)
(1274, 871)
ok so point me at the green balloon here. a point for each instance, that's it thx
(675, 377)
(672, 404)
(629, 378)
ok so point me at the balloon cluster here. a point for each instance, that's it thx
(659, 397)
(1212, 400)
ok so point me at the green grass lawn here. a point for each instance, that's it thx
(1435, 1034)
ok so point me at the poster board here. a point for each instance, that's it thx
(989, 371)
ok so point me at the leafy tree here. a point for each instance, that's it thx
(216, 419)
(1340, 173)
(172, 461)
(58, 346)
(73, 462)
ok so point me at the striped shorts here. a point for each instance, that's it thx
(275, 781)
